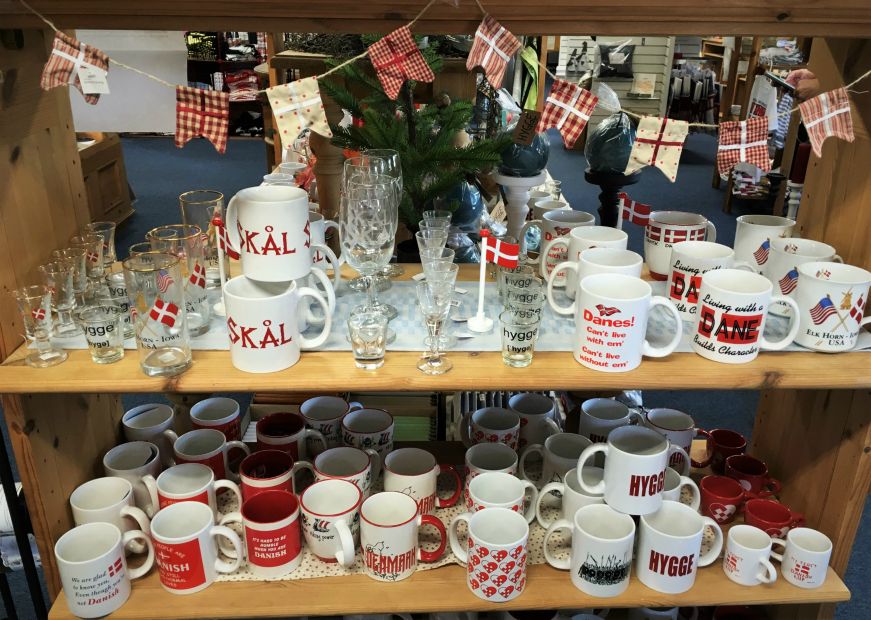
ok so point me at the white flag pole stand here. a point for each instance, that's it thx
(481, 323)
(219, 307)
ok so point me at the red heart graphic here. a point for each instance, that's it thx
(471, 543)
(516, 552)
(523, 422)
(516, 576)
(489, 591)
(469, 502)
(499, 579)
(474, 583)
(483, 551)
(500, 555)
(509, 565)
(506, 591)
(482, 576)
(721, 512)
(521, 584)
(490, 567)
(479, 508)
(522, 560)
(475, 560)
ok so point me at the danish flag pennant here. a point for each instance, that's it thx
(39, 313)
(493, 48)
(163, 312)
(298, 106)
(659, 143)
(203, 113)
(223, 242)
(858, 309)
(635, 212)
(743, 141)
(568, 108)
(497, 251)
(68, 55)
(827, 115)
(396, 59)
(198, 276)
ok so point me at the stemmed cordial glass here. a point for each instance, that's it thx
(434, 299)
(392, 167)
(58, 276)
(443, 273)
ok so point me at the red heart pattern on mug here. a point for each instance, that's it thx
(490, 567)
(489, 591)
(497, 574)
(506, 591)
(500, 555)
(483, 552)
(516, 552)
(474, 583)
(474, 560)
(499, 579)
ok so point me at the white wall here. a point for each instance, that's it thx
(135, 103)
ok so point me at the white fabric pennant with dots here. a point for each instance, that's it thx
(297, 106)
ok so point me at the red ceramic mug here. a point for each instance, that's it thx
(286, 432)
(267, 470)
(722, 443)
(219, 413)
(752, 474)
(722, 498)
(773, 518)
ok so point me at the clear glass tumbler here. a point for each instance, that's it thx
(367, 330)
(156, 292)
(117, 286)
(200, 207)
(93, 246)
(77, 259)
(519, 333)
(106, 231)
(58, 278)
(104, 331)
(34, 303)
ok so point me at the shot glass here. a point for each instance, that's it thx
(34, 303)
(502, 273)
(117, 287)
(532, 291)
(58, 278)
(431, 238)
(519, 334)
(367, 330)
(77, 259)
(104, 331)
(200, 207)
(106, 231)
(155, 290)
(441, 217)
(93, 247)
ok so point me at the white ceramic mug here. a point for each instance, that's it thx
(754, 234)
(785, 256)
(678, 427)
(553, 224)
(546, 204)
(674, 484)
(494, 489)
(369, 428)
(483, 457)
(569, 247)
(346, 463)
(323, 256)
(805, 559)
(267, 470)
(573, 496)
(414, 471)
(133, 461)
(690, 260)
(220, 413)
(592, 261)
(93, 570)
(831, 298)
(666, 228)
(669, 547)
(209, 447)
(331, 520)
(495, 554)
(635, 462)
(537, 417)
(559, 454)
(611, 323)
(490, 425)
(746, 561)
(186, 549)
(601, 558)
(269, 227)
(599, 416)
(316, 280)
(263, 326)
(389, 526)
(732, 309)
(324, 414)
(108, 500)
(152, 422)
(189, 482)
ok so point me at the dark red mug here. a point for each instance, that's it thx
(773, 518)
(287, 432)
(752, 474)
(722, 498)
(722, 443)
(267, 470)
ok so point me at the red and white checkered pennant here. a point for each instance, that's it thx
(396, 59)
(298, 106)
(68, 55)
(743, 141)
(568, 108)
(198, 276)
(827, 115)
(203, 113)
(493, 48)
(635, 212)
(658, 142)
(164, 312)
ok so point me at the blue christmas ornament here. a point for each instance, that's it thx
(519, 160)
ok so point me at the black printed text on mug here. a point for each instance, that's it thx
(735, 327)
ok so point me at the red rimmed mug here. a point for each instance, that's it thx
(752, 474)
(678, 427)
(209, 447)
(369, 428)
(722, 443)
(267, 470)
(772, 517)
(358, 466)
(722, 498)
(287, 432)
(219, 413)
(415, 472)
(324, 414)
(188, 482)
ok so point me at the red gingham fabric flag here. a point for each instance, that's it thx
(493, 48)
(297, 106)
(827, 115)
(743, 141)
(659, 143)
(67, 55)
(201, 112)
(397, 59)
(568, 108)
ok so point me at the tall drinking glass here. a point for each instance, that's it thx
(155, 290)
(106, 231)
(34, 303)
(77, 259)
(393, 169)
(58, 278)
(200, 207)
(93, 246)
(434, 299)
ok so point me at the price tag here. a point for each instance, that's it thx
(93, 80)
(524, 132)
(498, 213)
(617, 58)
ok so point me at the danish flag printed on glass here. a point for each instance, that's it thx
(163, 312)
(198, 276)
(744, 141)
(822, 311)
(635, 212)
(658, 143)
(39, 313)
(568, 108)
(203, 113)
(789, 281)
(606, 310)
(827, 115)
(858, 309)
(396, 59)
(761, 253)
(497, 251)
(493, 48)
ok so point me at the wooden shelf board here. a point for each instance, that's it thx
(439, 590)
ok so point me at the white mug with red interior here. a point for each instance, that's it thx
(209, 447)
(220, 413)
(188, 482)
(666, 228)
(324, 414)
(500, 490)
(415, 472)
(331, 520)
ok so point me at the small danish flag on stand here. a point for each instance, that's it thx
(635, 212)
(223, 242)
(497, 251)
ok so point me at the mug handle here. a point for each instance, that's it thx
(782, 543)
(559, 563)
(455, 496)
(354, 405)
(650, 351)
(374, 462)
(717, 546)
(708, 457)
(231, 222)
(345, 553)
(232, 486)
(535, 448)
(796, 519)
(331, 224)
(546, 252)
(151, 486)
(126, 539)
(331, 258)
(236, 444)
(222, 566)
(744, 265)
(317, 436)
(767, 573)
(551, 424)
(837, 259)
(139, 516)
(297, 467)
(564, 310)
(313, 343)
(432, 556)
(784, 342)
(329, 287)
(711, 232)
(526, 227)
(545, 490)
(532, 506)
(228, 549)
(465, 430)
(686, 481)
(769, 492)
(686, 458)
(458, 548)
(172, 437)
(588, 453)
